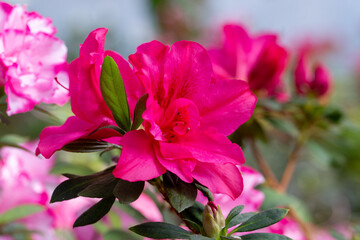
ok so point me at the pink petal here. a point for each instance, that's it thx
(220, 178)
(302, 76)
(212, 147)
(54, 138)
(15, 102)
(138, 161)
(188, 70)
(226, 104)
(322, 80)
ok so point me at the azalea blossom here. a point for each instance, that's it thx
(259, 60)
(188, 115)
(31, 59)
(317, 82)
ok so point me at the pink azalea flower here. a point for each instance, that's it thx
(91, 112)
(187, 118)
(317, 83)
(258, 60)
(30, 59)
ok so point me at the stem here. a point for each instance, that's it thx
(293, 159)
(158, 184)
(263, 165)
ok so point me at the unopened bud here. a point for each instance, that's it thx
(213, 219)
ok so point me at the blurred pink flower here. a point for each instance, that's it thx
(25, 179)
(317, 82)
(30, 60)
(187, 118)
(258, 60)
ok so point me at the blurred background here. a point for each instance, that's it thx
(328, 176)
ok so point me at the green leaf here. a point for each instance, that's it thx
(160, 230)
(181, 194)
(199, 237)
(262, 219)
(241, 218)
(228, 238)
(95, 213)
(114, 94)
(233, 213)
(116, 234)
(87, 145)
(71, 188)
(337, 235)
(127, 192)
(194, 213)
(194, 225)
(264, 236)
(19, 212)
(102, 189)
(139, 110)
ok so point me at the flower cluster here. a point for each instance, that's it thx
(31, 59)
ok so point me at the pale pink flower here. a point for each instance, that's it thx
(188, 115)
(25, 179)
(259, 60)
(31, 57)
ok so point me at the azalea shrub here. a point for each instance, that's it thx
(153, 146)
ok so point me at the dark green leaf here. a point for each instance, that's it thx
(72, 187)
(241, 218)
(228, 238)
(194, 213)
(116, 234)
(194, 225)
(127, 192)
(181, 194)
(95, 213)
(19, 212)
(205, 191)
(233, 213)
(199, 237)
(16, 231)
(114, 94)
(160, 230)
(102, 189)
(264, 236)
(139, 109)
(262, 219)
(87, 145)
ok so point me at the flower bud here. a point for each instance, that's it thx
(213, 219)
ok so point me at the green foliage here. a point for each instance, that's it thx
(127, 192)
(233, 213)
(160, 230)
(264, 236)
(19, 212)
(241, 218)
(95, 213)
(181, 194)
(113, 92)
(88, 145)
(139, 110)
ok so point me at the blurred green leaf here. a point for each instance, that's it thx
(199, 237)
(127, 192)
(262, 219)
(337, 235)
(116, 234)
(139, 110)
(181, 194)
(95, 213)
(160, 230)
(114, 94)
(19, 212)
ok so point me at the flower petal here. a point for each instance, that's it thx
(138, 161)
(220, 178)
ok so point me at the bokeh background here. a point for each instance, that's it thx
(328, 176)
